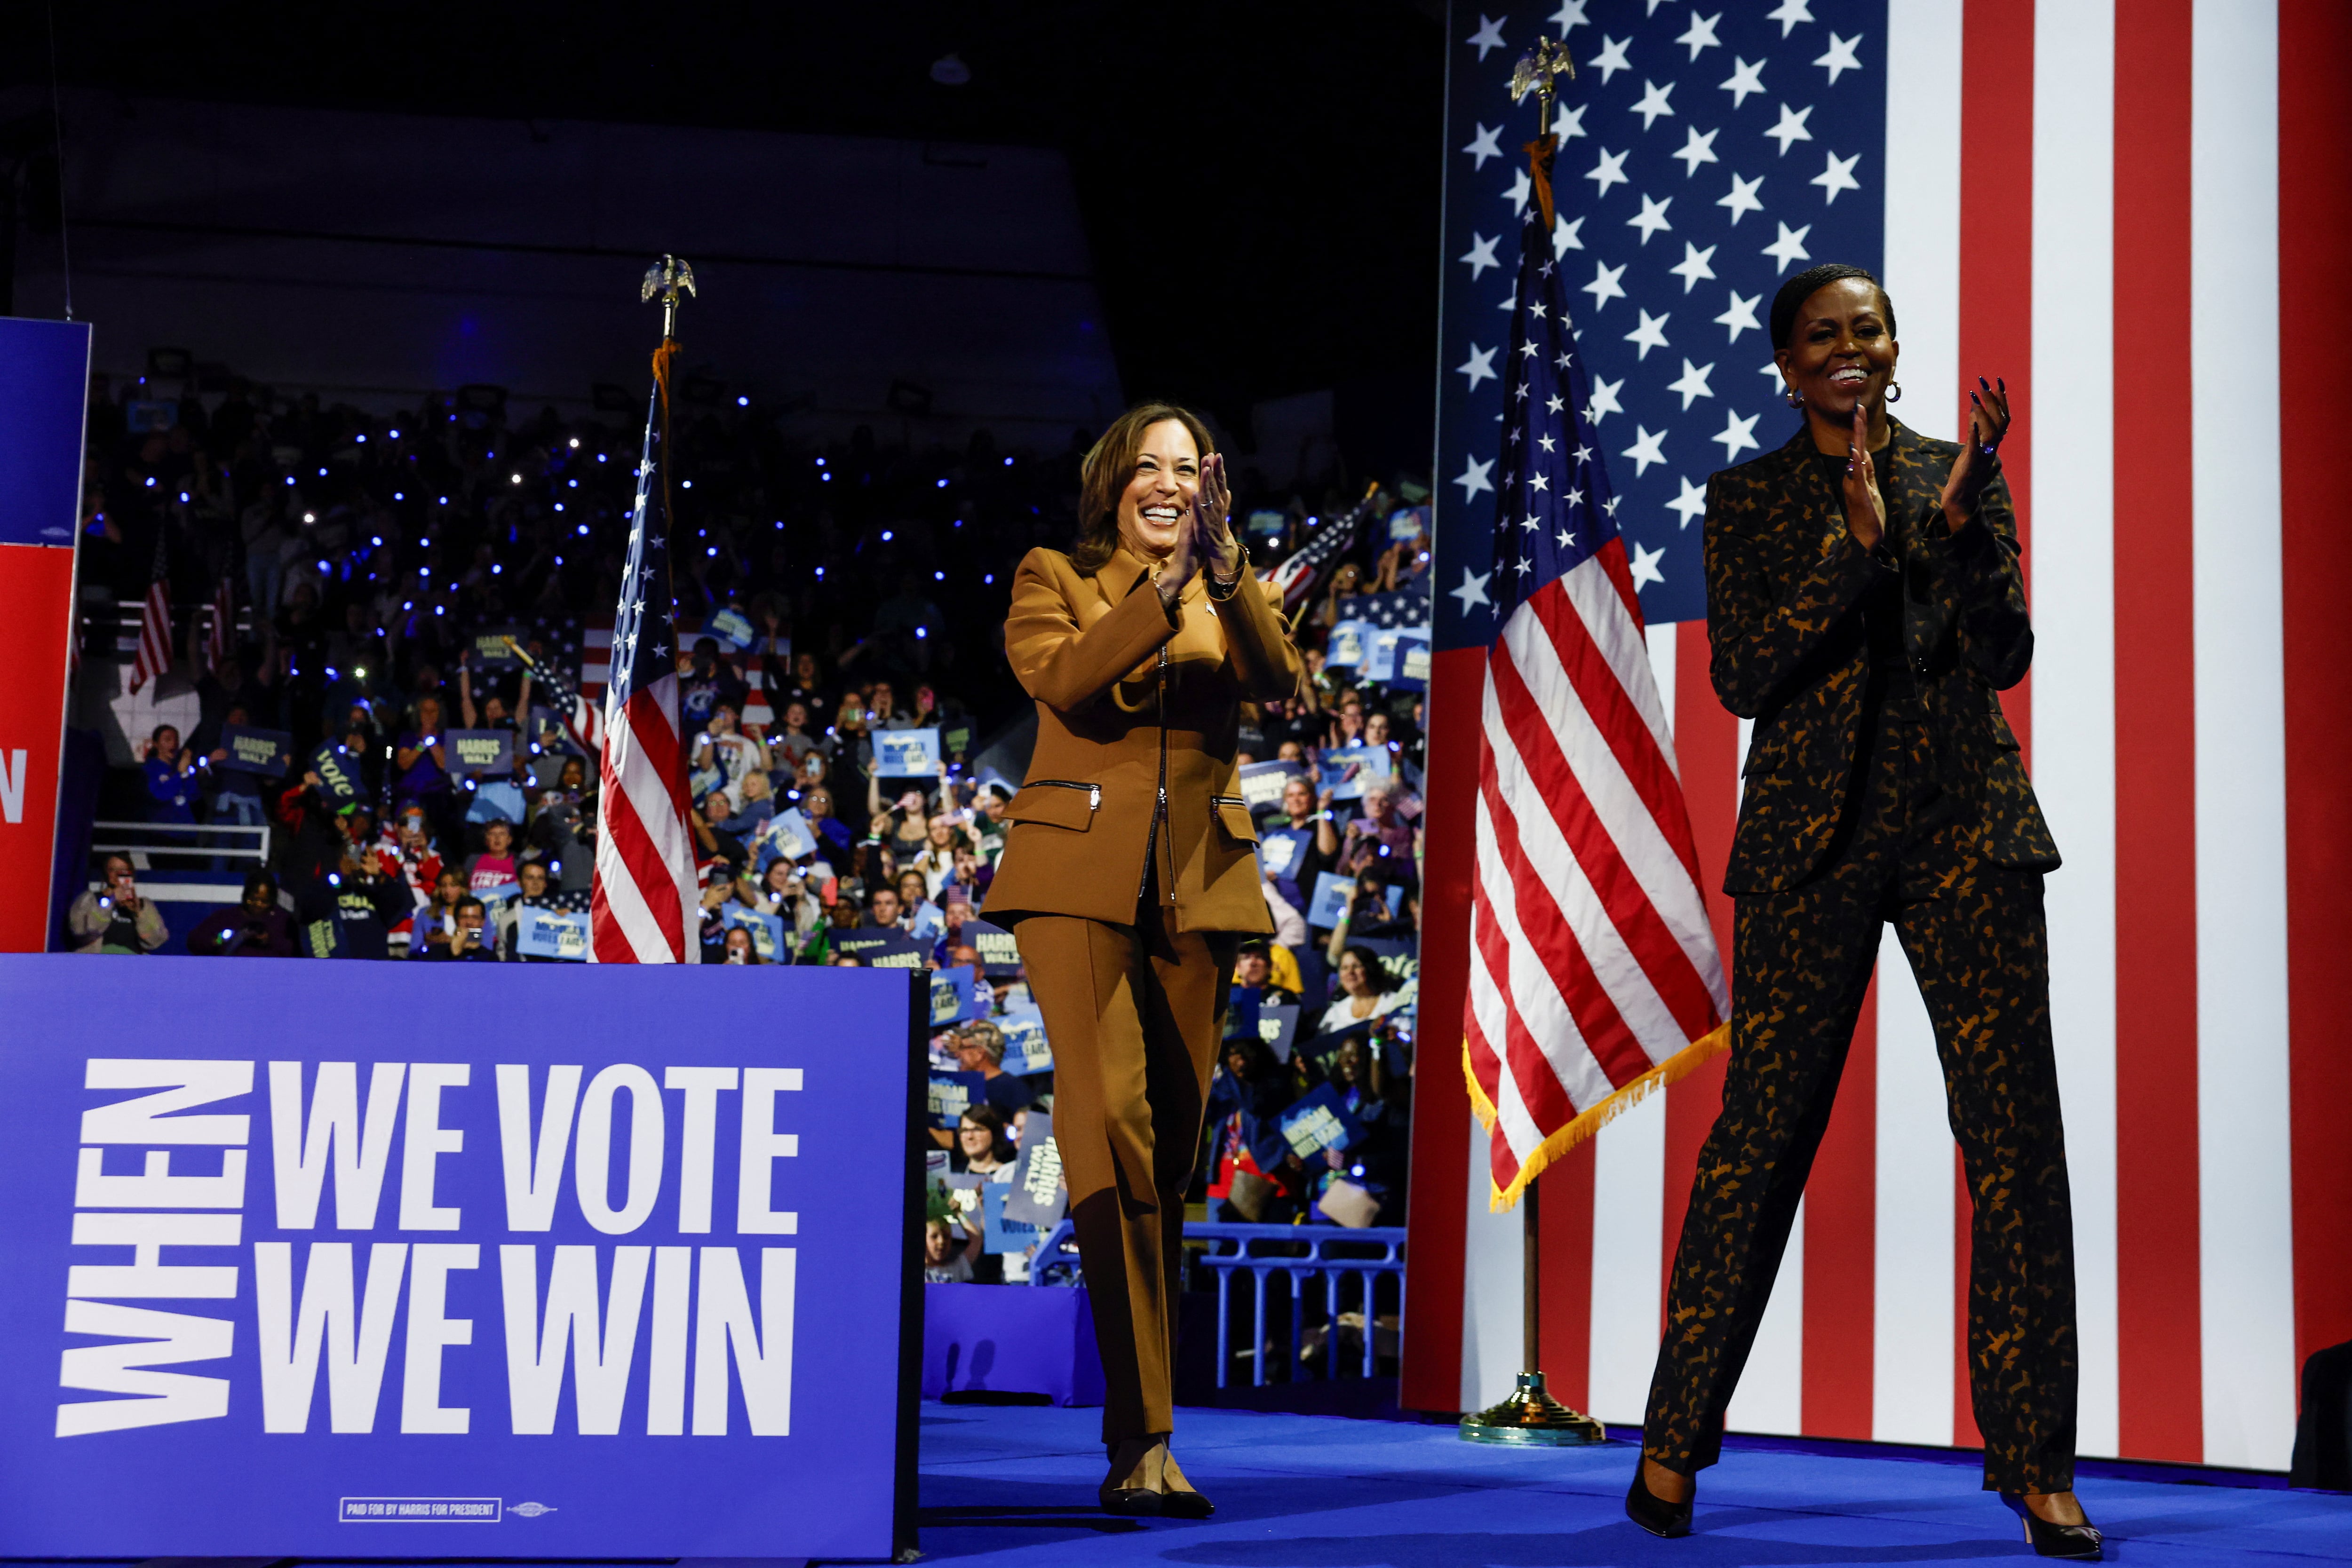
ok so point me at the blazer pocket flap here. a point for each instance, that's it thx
(1053, 804)
(1232, 815)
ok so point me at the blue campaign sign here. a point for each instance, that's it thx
(1399, 955)
(880, 947)
(951, 995)
(1280, 850)
(1000, 1234)
(1348, 768)
(551, 933)
(1345, 647)
(264, 753)
(479, 753)
(999, 955)
(1279, 1027)
(906, 753)
(767, 932)
(1025, 1050)
(954, 1094)
(1262, 783)
(1319, 1121)
(1331, 900)
(619, 1291)
(1412, 670)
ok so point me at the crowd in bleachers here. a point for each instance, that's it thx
(387, 620)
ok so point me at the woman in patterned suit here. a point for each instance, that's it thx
(1864, 607)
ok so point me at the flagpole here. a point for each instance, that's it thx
(1529, 1416)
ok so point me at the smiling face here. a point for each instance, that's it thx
(976, 1140)
(1167, 474)
(1352, 978)
(1841, 352)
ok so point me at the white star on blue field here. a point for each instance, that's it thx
(1708, 151)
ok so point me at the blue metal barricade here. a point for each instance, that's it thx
(1298, 1252)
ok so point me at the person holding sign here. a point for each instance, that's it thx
(1129, 876)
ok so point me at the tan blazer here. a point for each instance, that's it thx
(1131, 701)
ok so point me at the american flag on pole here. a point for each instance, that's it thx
(1303, 567)
(220, 637)
(1594, 973)
(645, 906)
(154, 654)
(2142, 216)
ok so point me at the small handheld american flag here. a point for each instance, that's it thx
(1593, 971)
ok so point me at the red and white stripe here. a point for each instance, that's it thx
(2111, 206)
(154, 655)
(646, 904)
(595, 669)
(1593, 963)
(220, 636)
(595, 657)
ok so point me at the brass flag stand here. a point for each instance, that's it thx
(1530, 1416)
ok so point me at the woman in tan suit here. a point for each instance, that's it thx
(1129, 876)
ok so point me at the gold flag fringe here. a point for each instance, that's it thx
(1591, 1119)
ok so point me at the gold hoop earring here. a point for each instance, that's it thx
(1794, 398)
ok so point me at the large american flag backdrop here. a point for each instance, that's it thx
(2113, 204)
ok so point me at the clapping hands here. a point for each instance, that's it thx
(1989, 418)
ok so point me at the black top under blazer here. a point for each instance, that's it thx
(1785, 583)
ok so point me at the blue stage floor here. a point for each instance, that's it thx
(1308, 1491)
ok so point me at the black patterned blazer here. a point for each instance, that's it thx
(1784, 589)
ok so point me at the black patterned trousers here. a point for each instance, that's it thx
(1974, 934)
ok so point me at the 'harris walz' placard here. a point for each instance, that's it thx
(480, 753)
(622, 1290)
(264, 753)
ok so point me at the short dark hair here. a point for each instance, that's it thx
(1812, 282)
(260, 881)
(985, 1115)
(469, 901)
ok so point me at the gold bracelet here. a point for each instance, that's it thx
(1222, 589)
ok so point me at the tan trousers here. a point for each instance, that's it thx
(1133, 1015)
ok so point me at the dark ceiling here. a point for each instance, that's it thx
(1259, 181)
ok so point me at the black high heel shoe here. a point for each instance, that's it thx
(1666, 1520)
(2082, 1542)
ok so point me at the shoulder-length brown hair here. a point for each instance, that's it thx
(1110, 465)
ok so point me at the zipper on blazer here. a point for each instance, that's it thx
(1159, 810)
(1240, 801)
(1094, 791)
